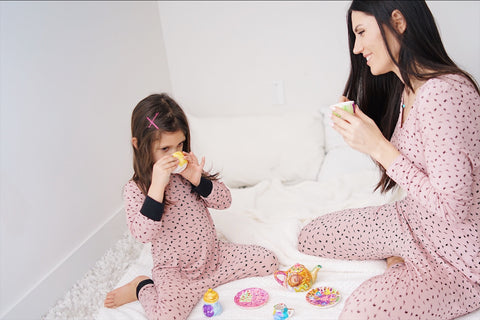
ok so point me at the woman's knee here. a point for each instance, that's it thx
(309, 238)
(303, 238)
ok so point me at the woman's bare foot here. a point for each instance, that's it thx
(124, 294)
(394, 260)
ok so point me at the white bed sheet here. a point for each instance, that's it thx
(272, 214)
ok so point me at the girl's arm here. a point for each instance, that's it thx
(215, 194)
(143, 213)
(162, 169)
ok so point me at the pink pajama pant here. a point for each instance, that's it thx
(425, 287)
(173, 295)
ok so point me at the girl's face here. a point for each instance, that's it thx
(169, 143)
(369, 43)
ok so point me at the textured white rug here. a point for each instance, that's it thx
(86, 297)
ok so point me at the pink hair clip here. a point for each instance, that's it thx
(151, 121)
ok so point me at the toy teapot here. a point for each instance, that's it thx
(297, 278)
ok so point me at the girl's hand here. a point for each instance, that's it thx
(193, 171)
(362, 134)
(162, 169)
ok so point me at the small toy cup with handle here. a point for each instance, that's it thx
(182, 162)
(281, 311)
(348, 106)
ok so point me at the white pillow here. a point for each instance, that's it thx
(345, 161)
(247, 149)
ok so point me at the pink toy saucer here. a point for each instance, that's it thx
(251, 298)
(323, 297)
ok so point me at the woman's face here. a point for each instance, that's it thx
(369, 43)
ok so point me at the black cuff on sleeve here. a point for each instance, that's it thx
(204, 188)
(142, 284)
(152, 209)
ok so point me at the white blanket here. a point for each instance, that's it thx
(271, 214)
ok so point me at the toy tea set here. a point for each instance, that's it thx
(298, 279)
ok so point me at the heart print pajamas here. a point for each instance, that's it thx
(187, 256)
(435, 228)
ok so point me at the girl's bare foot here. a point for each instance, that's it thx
(394, 260)
(124, 294)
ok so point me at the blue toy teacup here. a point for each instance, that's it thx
(281, 311)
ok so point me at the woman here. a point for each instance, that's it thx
(419, 119)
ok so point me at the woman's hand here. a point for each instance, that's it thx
(362, 134)
(193, 171)
(162, 169)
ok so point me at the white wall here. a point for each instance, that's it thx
(71, 73)
(224, 56)
(459, 25)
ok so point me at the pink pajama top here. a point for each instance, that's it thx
(182, 232)
(439, 167)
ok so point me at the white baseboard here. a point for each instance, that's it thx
(54, 286)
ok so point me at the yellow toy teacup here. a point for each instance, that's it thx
(182, 164)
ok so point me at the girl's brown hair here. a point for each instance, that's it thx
(152, 116)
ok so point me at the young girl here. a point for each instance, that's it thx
(170, 211)
(419, 119)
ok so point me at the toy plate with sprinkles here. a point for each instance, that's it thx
(251, 298)
(323, 297)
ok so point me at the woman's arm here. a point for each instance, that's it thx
(448, 121)
(450, 136)
(362, 134)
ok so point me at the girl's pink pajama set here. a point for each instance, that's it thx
(436, 228)
(187, 256)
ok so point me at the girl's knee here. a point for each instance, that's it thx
(269, 263)
(273, 262)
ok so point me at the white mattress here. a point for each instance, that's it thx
(271, 214)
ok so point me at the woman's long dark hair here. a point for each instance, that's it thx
(421, 48)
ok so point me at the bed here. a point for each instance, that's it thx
(283, 171)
